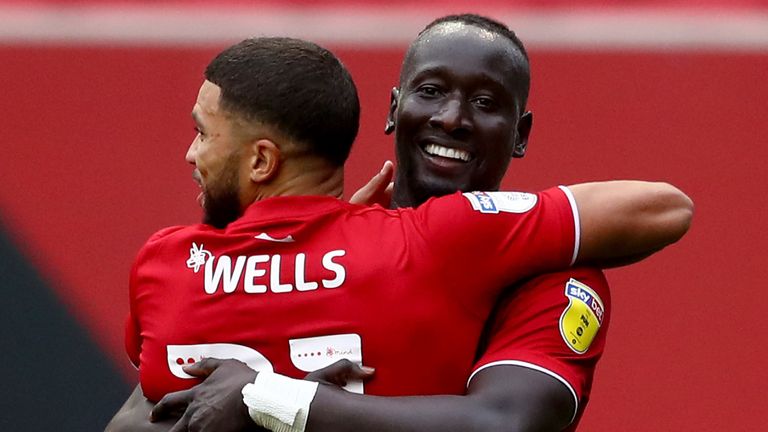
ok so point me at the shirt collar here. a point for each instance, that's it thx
(286, 206)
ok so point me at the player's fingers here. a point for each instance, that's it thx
(345, 371)
(341, 372)
(375, 190)
(182, 425)
(202, 368)
(171, 405)
(359, 372)
(366, 194)
(388, 169)
(197, 422)
(388, 194)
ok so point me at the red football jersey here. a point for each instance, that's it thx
(555, 323)
(297, 283)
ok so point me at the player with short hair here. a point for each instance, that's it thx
(504, 126)
(254, 83)
(547, 214)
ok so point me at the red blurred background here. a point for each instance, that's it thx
(95, 131)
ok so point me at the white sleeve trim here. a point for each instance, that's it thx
(576, 224)
(537, 368)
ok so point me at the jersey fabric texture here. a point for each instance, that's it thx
(299, 282)
(532, 328)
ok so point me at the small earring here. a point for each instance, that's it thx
(389, 127)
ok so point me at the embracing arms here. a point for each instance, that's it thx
(499, 398)
(504, 397)
(624, 221)
(621, 221)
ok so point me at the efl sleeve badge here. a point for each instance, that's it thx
(495, 202)
(582, 318)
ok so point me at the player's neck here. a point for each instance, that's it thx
(403, 197)
(400, 200)
(307, 176)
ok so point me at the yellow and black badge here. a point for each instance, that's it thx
(582, 318)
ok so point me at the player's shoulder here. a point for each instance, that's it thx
(172, 232)
(577, 285)
(165, 232)
(161, 237)
(497, 201)
(373, 211)
(554, 289)
(590, 276)
(508, 201)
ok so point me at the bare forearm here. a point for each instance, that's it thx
(337, 410)
(504, 397)
(624, 220)
(507, 398)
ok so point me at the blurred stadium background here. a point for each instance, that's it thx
(95, 121)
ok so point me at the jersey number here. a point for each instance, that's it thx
(307, 354)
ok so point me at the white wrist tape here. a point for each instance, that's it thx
(279, 403)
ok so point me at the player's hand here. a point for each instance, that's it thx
(216, 404)
(134, 416)
(340, 372)
(378, 190)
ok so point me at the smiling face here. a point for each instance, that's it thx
(458, 113)
(216, 153)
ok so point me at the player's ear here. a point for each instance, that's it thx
(264, 160)
(389, 127)
(523, 131)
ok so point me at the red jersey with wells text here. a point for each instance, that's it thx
(299, 282)
(555, 323)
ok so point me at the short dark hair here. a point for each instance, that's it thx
(294, 85)
(484, 23)
(493, 26)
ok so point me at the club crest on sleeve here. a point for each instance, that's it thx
(495, 202)
(582, 318)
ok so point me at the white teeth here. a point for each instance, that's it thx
(446, 152)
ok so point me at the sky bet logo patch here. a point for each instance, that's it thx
(582, 318)
(495, 202)
(485, 203)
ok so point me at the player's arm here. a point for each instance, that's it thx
(134, 416)
(624, 221)
(532, 374)
(499, 398)
(508, 398)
